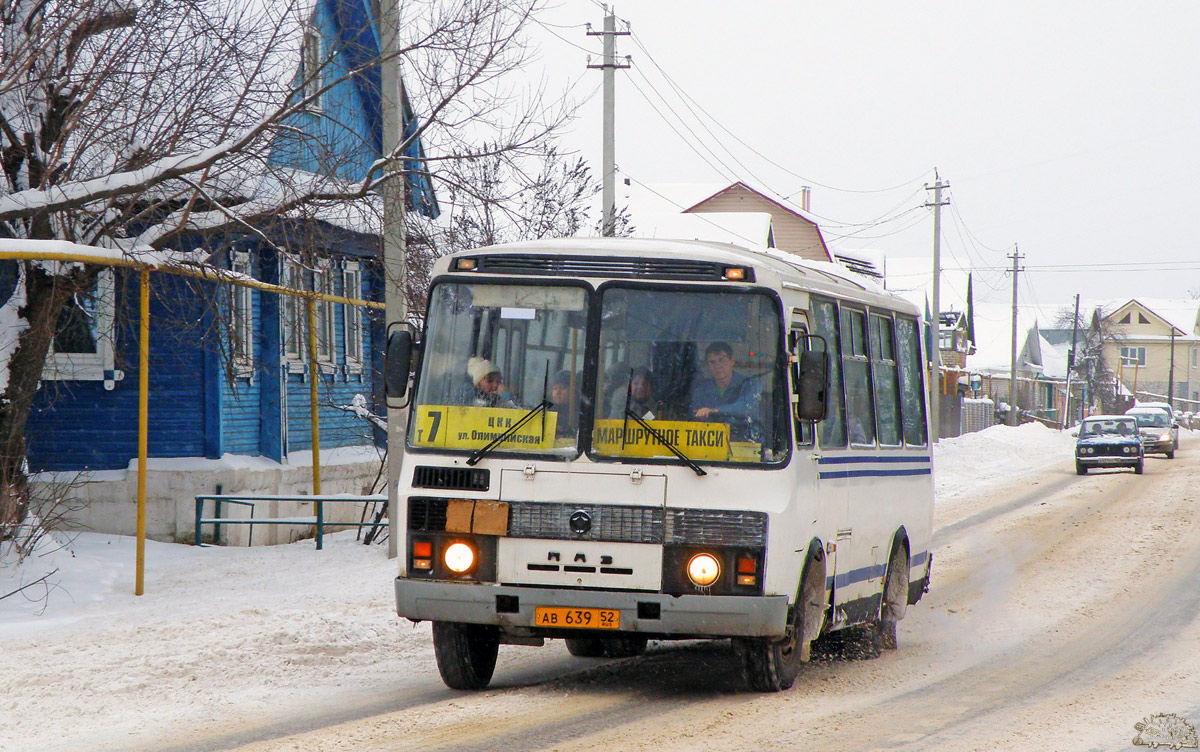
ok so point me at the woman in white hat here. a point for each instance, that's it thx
(487, 389)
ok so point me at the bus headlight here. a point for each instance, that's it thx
(703, 570)
(459, 557)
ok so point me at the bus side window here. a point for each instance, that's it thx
(796, 342)
(831, 431)
(912, 389)
(856, 367)
(883, 380)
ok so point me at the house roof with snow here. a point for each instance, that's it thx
(654, 210)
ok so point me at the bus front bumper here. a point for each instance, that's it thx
(513, 608)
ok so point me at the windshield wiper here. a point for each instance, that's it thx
(663, 440)
(481, 453)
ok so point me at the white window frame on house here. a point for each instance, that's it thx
(311, 64)
(242, 312)
(1133, 355)
(100, 365)
(352, 318)
(325, 316)
(291, 323)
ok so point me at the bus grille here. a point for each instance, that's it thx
(609, 523)
(694, 527)
(597, 266)
(427, 515)
(452, 478)
(712, 527)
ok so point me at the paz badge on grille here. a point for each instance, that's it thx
(580, 522)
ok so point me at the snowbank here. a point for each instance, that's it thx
(235, 636)
(980, 461)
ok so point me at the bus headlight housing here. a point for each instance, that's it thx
(459, 557)
(703, 569)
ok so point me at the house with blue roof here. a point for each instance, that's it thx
(229, 372)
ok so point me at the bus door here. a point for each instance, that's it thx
(831, 456)
(816, 498)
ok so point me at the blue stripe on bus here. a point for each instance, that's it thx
(875, 473)
(873, 572)
(863, 459)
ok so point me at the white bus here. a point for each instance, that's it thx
(616, 440)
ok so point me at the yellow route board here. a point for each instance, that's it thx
(454, 427)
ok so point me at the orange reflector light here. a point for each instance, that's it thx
(422, 549)
(422, 564)
(465, 264)
(735, 273)
(747, 579)
(747, 565)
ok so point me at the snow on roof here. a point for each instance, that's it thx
(667, 198)
(1054, 359)
(993, 334)
(911, 277)
(725, 227)
(1184, 315)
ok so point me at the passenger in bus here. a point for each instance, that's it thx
(639, 389)
(487, 386)
(729, 396)
(563, 399)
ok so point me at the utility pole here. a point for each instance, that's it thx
(1171, 376)
(935, 391)
(609, 157)
(395, 271)
(1071, 359)
(1012, 376)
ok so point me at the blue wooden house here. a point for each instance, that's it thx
(229, 371)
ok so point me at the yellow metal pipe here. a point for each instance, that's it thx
(211, 275)
(314, 418)
(143, 429)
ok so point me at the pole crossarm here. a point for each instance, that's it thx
(209, 274)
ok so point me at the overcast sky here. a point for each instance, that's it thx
(1069, 128)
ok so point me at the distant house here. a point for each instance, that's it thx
(734, 213)
(956, 343)
(229, 377)
(791, 230)
(1150, 338)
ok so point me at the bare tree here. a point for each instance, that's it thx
(501, 197)
(1091, 367)
(126, 126)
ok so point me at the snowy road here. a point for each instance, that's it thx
(1064, 610)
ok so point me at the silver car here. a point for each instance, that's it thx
(1158, 429)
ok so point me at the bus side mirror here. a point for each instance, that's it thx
(813, 383)
(397, 364)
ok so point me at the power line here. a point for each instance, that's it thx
(670, 125)
(563, 39)
(699, 215)
(808, 181)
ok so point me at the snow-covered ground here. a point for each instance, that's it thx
(225, 636)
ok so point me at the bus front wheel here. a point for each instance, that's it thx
(465, 653)
(773, 665)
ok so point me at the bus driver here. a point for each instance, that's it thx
(728, 396)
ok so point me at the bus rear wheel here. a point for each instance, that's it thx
(585, 647)
(895, 597)
(773, 665)
(465, 653)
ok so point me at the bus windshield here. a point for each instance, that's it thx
(703, 370)
(493, 353)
